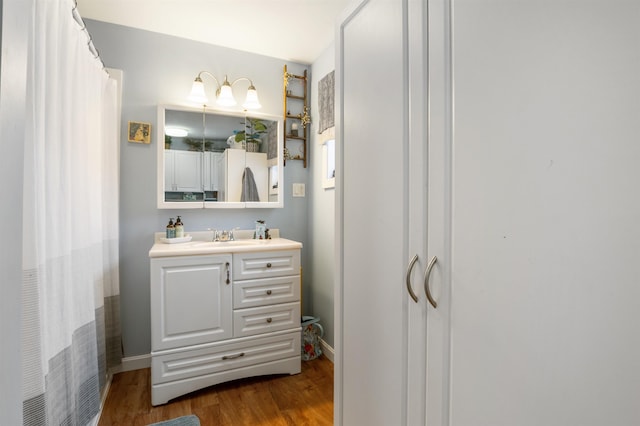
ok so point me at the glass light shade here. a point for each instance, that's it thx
(252, 101)
(225, 96)
(197, 92)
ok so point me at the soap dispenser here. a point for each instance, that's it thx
(171, 229)
(179, 228)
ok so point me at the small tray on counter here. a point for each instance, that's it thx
(184, 239)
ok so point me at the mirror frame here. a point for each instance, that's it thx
(279, 162)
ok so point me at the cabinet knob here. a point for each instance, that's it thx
(268, 265)
(269, 320)
(269, 292)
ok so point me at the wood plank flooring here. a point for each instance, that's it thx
(283, 400)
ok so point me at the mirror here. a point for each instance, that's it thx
(218, 159)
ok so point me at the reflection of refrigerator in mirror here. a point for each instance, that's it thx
(212, 162)
(273, 183)
(221, 170)
(249, 166)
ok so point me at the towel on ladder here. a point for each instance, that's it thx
(249, 188)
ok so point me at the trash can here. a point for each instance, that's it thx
(312, 332)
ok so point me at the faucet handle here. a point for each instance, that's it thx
(214, 236)
(231, 237)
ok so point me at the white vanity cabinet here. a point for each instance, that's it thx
(222, 316)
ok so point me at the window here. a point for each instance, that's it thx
(329, 164)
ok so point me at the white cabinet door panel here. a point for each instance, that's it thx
(373, 214)
(542, 283)
(193, 300)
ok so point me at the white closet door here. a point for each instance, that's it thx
(373, 218)
(544, 233)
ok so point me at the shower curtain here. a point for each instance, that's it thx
(70, 327)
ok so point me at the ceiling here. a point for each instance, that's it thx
(293, 30)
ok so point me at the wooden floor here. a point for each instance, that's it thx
(301, 399)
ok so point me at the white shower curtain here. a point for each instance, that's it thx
(71, 332)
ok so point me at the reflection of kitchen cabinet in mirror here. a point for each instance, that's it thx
(215, 159)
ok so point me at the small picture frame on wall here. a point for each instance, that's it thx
(139, 132)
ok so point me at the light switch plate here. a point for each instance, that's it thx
(298, 189)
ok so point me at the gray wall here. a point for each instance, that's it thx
(322, 208)
(160, 69)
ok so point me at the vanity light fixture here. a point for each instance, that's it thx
(224, 93)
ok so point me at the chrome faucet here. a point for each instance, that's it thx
(222, 236)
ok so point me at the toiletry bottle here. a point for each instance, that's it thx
(171, 229)
(179, 228)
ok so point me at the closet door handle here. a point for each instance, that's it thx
(409, 269)
(427, 272)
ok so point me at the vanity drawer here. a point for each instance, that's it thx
(223, 356)
(267, 291)
(250, 321)
(274, 263)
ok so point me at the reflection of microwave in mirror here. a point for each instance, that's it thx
(203, 165)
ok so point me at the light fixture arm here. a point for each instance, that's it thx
(199, 78)
(241, 78)
(224, 93)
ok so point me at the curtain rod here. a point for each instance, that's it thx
(92, 48)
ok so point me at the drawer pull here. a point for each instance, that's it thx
(228, 272)
(268, 265)
(269, 292)
(226, 357)
(269, 320)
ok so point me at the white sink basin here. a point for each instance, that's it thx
(233, 243)
(212, 247)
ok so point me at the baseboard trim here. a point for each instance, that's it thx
(103, 398)
(137, 362)
(327, 350)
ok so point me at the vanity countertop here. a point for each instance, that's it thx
(201, 244)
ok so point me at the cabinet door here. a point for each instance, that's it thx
(191, 300)
(169, 171)
(539, 278)
(188, 171)
(372, 202)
